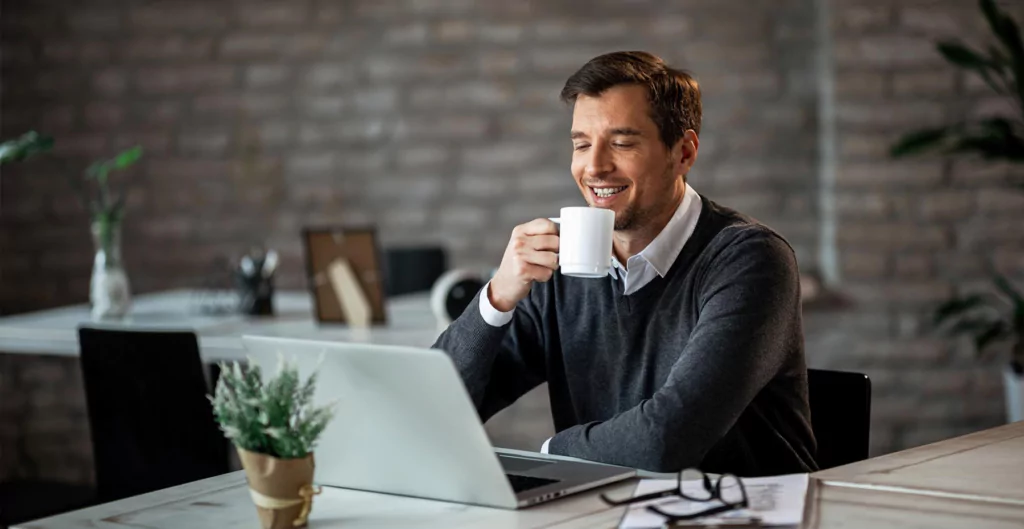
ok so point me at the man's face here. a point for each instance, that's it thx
(619, 161)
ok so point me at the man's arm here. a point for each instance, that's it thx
(749, 322)
(497, 363)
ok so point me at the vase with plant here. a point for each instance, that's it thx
(274, 426)
(989, 319)
(109, 290)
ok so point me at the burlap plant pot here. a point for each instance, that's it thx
(282, 489)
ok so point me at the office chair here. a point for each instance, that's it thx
(840, 415)
(414, 269)
(151, 424)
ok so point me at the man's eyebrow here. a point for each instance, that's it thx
(619, 131)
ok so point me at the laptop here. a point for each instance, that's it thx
(405, 424)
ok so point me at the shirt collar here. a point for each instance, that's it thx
(662, 252)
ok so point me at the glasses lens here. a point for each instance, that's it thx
(695, 485)
(731, 491)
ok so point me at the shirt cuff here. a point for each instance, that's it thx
(491, 315)
(544, 447)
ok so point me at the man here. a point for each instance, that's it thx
(690, 354)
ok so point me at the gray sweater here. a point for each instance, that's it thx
(703, 367)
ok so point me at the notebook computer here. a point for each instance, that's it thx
(405, 424)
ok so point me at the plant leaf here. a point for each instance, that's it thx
(960, 55)
(993, 332)
(1009, 35)
(958, 306)
(128, 157)
(1015, 296)
(919, 141)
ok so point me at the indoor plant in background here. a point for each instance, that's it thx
(274, 426)
(990, 319)
(109, 291)
(993, 319)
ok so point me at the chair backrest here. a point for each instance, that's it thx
(151, 424)
(410, 270)
(840, 415)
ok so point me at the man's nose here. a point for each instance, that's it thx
(600, 162)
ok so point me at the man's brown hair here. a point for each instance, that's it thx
(674, 95)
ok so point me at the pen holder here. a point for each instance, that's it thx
(255, 294)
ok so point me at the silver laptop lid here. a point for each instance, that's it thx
(404, 423)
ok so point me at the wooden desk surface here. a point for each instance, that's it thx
(972, 481)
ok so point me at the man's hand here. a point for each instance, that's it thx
(531, 255)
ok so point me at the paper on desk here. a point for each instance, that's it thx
(776, 500)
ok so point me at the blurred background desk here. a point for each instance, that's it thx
(54, 332)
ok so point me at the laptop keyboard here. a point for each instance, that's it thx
(521, 483)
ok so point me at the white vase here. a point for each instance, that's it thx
(1013, 383)
(109, 291)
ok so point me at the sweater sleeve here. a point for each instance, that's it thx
(749, 322)
(497, 364)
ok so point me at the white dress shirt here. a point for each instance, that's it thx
(655, 260)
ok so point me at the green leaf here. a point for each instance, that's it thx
(1015, 296)
(958, 306)
(24, 146)
(128, 157)
(962, 56)
(993, 332)
(1009, 35)
(919, 141)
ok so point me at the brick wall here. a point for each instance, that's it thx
(911, 233)
(438, 121)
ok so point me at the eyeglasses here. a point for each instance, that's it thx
(727, 491)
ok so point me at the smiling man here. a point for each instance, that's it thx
(690, 353)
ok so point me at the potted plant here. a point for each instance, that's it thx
(1001, 66)
(989, 319)
(274, 426)
(109, 290)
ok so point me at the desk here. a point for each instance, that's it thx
(975, 481)
(54, 332)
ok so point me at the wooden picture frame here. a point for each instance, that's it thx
(357, 246)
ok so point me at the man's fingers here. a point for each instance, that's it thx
(539, 227)
(538, 273)
(544, 242)
(545, 259)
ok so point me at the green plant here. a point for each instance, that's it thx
(276, 417)
(988, 319)
(24, 146)
(107, 207)
(1001, 66)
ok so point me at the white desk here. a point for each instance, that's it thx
(54, 332)
(972, 481)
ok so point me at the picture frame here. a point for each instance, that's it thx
(358, 247)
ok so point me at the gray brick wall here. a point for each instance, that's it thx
(911, 233)
(438, 121)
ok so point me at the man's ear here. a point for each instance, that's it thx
(690, 145)
(685, 150)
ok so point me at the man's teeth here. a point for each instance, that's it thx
(605, 192)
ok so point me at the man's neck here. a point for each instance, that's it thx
(626, 244)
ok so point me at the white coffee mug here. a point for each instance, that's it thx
(585, 241)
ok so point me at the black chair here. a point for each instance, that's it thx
(152, 426)
(840, 415)
(414, 269)
(26, 500)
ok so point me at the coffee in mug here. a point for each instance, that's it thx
(585, 241)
